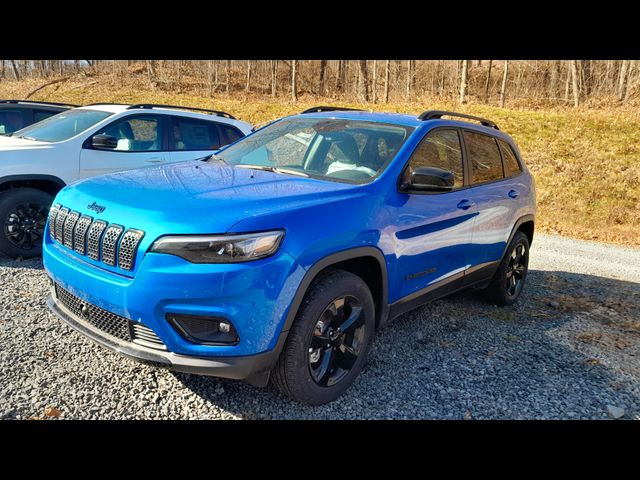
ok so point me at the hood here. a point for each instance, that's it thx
(15, 143)
(194, 197)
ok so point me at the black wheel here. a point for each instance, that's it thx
(508, 281)
(329, 340)
(23, 213)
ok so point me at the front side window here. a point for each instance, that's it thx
(228, 134)
(10, 121)
(194, 135)
(486, 162)
(136, 134)
(334, 149)
(440, 149)
(62, 126)
(511, 165)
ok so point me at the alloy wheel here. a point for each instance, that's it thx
(516, 270)
(24, 225)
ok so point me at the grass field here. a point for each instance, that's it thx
(586, 161)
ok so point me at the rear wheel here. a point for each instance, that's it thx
(23, 213)
(329, 340)
(508, 281)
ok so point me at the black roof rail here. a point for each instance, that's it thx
(330, 109)
(105, 103)
(435, 114)
(40, 102)
(178, 107)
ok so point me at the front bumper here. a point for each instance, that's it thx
(250, 367)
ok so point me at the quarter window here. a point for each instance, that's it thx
(440, 149)
(511, 165)
(486, 162)
(195, 135)
(138, 134)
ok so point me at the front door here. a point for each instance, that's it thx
(434, 229)
(141, 143)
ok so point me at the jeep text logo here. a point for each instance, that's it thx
(96, 208)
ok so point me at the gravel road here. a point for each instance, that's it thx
(570, 348)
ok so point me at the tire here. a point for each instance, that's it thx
(298, 373)
(23, 215)
(501, 290)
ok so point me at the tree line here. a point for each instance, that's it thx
(571, 82)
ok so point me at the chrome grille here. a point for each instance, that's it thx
(107, 322)
(93, 239)
(60, 218)
(69, 225)
(109, 243)
(128, 248)
(53, 212)
(80, 235)
(114, 245)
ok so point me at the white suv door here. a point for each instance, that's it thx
(141, 142)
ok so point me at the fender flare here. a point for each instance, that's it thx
(516, 226)
(349, 254)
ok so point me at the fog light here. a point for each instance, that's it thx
(204, 330)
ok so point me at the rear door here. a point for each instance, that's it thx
(434, 230)
(495, 191)
(191, 138)
(142, 141)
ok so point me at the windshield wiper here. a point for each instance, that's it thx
(275, 169)
(26, 138)
(213, 156)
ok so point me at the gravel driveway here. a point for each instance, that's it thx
(570, 348)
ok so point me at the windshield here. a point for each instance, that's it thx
(62, 126)
(334, 149)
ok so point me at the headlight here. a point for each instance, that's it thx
(220, 248)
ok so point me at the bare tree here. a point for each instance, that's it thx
(488, 82)
(321, 82)
(374, 86)
(386, 82)
(248, 84)
(274, 77)
(15, 69)
(294, 80)
(363, 90)
(151, 73)
(503, 89)
(573, 65)
(228, 78)
(622, 79)
(463, 81)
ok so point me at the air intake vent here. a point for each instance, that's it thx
(80, 235)
(60, 218)
(109, 243)
(128, 248)
(93, 239)
(69, 225)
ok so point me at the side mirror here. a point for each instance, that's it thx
(103, 141)
(431, 179)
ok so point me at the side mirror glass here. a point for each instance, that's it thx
(103, 141)
(431, 179)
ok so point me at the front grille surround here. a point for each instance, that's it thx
(112, 244)
(107, 322)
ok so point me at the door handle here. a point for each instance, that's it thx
(465, 204)
(512, 193)
(155, 160)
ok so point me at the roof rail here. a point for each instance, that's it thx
(178, 107)
(330, 109)
(435, 114)
(42, 102)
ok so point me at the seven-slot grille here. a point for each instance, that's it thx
(107, 322)
(110, 244)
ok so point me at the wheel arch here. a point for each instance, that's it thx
(359, 261)
(47, 183)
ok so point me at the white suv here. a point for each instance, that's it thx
(37, 161)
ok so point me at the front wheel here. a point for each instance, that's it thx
(508, 281)
(23, 212)
(329, 340)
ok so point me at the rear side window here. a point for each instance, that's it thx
(191, 134)
(10, 121)
(486, 162)
(228, 134)
(511, 165)
(440, 149)
(39, 115)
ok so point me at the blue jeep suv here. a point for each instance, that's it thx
(280, 256)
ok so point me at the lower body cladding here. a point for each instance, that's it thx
(162, 315)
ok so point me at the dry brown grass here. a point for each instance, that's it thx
(586, 161)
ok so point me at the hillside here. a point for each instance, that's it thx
(586, 161)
